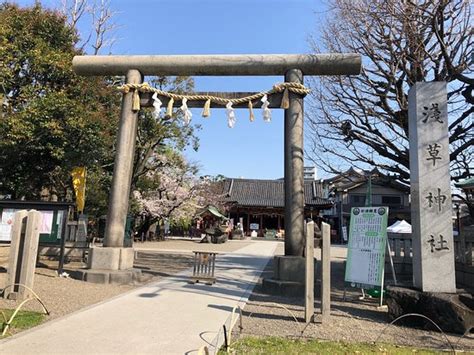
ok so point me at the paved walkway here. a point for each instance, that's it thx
(166, 317)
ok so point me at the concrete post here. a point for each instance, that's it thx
(309, 278)
(23, 254)
(123, 168)
(326, 272)
(294, 182)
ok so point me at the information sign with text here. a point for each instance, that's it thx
(366, 248)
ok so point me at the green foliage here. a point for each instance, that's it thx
(161, 137)
(181, 223)
(51, 119)
(275, 345)
(23, 319)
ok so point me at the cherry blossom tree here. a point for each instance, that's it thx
(173, 192)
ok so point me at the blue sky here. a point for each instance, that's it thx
(251, 150)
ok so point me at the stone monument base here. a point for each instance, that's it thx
(453, 313)
(110, 258)
(288, 277)
(102, 276)
(109, 265)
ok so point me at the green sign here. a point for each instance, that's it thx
(366, 249)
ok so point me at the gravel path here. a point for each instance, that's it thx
(352, 320)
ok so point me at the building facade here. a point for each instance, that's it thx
(260, 204)
(352, 189)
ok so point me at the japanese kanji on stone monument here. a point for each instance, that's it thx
(433, 248)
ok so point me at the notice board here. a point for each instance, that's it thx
(366, 248)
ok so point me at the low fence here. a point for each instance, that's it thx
(402, 255)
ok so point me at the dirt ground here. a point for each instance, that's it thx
(352, 320)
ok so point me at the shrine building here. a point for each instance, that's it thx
(260, 204)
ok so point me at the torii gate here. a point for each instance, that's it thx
(293, 66)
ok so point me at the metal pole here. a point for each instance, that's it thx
(294, 181)
(389, 249)
(123, 168)
(462, 240)
(341, 224)
(63, 240)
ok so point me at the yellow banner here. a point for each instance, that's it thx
(79, 182)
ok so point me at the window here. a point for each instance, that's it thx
(391, 200)
(357, 199)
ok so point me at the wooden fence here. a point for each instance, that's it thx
(401, 250)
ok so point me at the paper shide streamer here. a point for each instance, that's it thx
(267, 113)
(230, 115)
(186, 112)
(157, 105)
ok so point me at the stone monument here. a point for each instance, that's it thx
(431, 208)
(434, 293)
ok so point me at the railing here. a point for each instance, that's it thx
(76, 243)
(402, 255)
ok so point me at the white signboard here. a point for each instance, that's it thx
(59, 223)
(46, 222)
(254, 226)
(344, 233)
(6, 223)
(366, 249)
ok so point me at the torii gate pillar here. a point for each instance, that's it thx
(294, 175)
(123, 168)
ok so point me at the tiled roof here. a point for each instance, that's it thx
(467, 183)
(270, 193)
(353, 178)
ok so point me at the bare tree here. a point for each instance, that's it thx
(99, 15)
(74, 10)
(363, 120)
(104, 26)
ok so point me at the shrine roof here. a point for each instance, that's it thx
(466, 184)
(270, 193)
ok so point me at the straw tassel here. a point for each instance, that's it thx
(252, 116)
(206, 111)
(169, 108)
(285, 100)
(136, 100)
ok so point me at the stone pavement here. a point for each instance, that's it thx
(167, 317)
